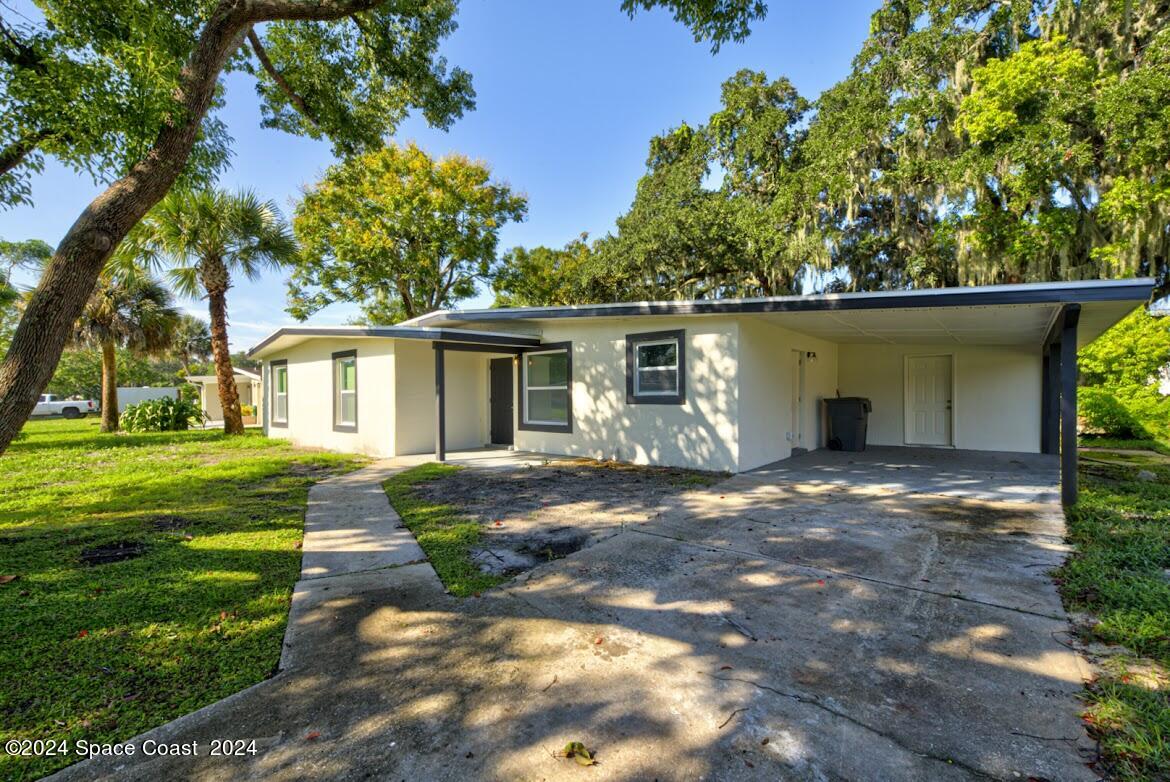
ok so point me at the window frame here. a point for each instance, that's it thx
(336, 406)
(273, 368)
(633, 341)
(522, 407)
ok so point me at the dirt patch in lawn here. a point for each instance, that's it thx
(533, 514)
(112, 552)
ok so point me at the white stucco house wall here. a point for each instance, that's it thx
(249, 385)
(717, 385)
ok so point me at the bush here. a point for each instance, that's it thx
(1103, 413)
(189, 392)
(1149, 407)
(161, 415)
(247, 410)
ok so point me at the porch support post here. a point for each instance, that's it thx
(1068, 405)
(1050, 405)
(440, 405)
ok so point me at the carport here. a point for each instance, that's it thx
(983, 371)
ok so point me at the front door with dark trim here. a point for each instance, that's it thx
(502, 397)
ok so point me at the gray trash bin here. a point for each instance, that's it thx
(848, 420)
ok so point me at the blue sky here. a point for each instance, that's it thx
(568, 96)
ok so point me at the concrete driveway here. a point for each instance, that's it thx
(885, 615)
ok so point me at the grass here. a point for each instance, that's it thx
(445, 535)
(105, 651)
(1120, 575)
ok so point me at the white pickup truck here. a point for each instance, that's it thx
(51, 404)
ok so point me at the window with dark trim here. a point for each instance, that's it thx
(546, 388)
(656, 364)
(345, 391)
(278, 384)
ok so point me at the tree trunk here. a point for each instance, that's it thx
(215, 282)
(69, 279)
(109, 387)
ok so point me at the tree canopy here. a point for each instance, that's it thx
(398, 232)
(974, 142)
(145, 79)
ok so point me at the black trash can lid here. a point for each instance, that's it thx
(851, 401)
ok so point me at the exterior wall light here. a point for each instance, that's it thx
(811, 356)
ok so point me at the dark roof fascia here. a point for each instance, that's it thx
(448, 335)
(1136, 291)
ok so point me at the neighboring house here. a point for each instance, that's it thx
(249, 385)
(132, 395)
(718, 385)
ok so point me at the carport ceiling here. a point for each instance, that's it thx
(1005, 324)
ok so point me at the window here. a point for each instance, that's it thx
(345, 391)
(656, 368)
(546, 396)
(279, 383)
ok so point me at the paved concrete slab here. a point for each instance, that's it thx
(763, 629)
(983, 475)
(350, 526)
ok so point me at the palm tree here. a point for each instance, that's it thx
(208, 236)
(192, 341)
(130, 311)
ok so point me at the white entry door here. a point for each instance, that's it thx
(929, 395)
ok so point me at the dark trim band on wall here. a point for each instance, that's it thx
(272, 365)
(522, 386)
(399, 332)
(632, 342)
(1122, 290)
(336, 405)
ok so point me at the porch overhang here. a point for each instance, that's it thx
(289, 336)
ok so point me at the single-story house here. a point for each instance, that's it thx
(729, 384)
(249, 385)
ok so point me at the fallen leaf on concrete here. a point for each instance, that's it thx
(577, 751)
(764, 742)
(550, 684)
(599, 640)
(725, 668)
(313, 735)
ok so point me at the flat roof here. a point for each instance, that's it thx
(989, 314)
(1080, 292)
(289, 335)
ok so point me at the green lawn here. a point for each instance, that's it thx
(445, 535)
(103, 651)
(1120, 575)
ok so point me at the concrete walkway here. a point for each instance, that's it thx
(838, 616)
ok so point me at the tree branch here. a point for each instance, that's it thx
(16, 52)
(281, 82)
(12, 155)
(310, 10)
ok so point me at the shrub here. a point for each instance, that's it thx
(161, 415)
(247, 410)
(1103, 413)
(1148, 406)
(189, 392)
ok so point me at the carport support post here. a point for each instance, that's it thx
(1068, 405)
(440, 405)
